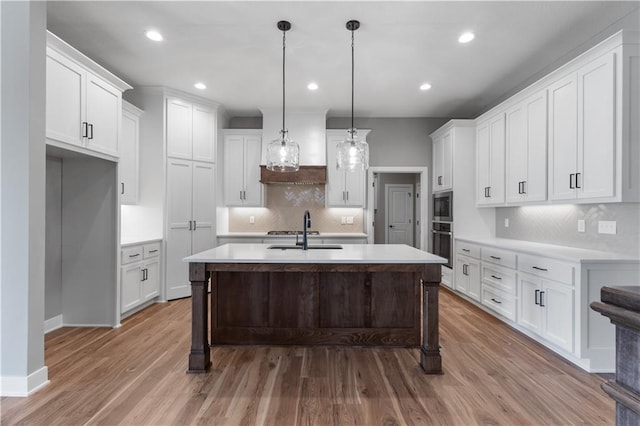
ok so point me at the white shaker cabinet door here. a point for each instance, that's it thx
(128, 164)
(557, 300)
(529, 310)
(354, 188)
(596, 129)
(150, 285)
(563, 138)
(252, 185)
(517, 152)
(130, 284)
(233, 170)
(535, 187)
(104, 112)
(204, 123)
(179, 129)
(204, 207)
(64, 103)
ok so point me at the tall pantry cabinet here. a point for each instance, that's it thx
(177, 176)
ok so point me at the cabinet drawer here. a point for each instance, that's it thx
(499, 277)
(151, 250)
(547, 268)
(499, 257)
(131, 254)
(499, 302)
(468, 249)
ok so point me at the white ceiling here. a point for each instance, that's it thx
(235, 48)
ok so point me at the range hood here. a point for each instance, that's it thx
(307, 175)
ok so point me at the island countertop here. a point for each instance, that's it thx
(349, 254)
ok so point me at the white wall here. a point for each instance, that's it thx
(23, 40)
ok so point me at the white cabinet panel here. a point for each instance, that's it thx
(204, 123)
(104, 111)
(490, 166)
(242, 185)
(529, 311)
(557, 300)
(150, 286)
(467, 276)
(140, 275)
(179, 129)
(343, 189)
(204, 207)
(128, 164)
(130, 284)
(443, 163)
(64, 99)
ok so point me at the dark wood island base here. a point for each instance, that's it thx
(315, 304)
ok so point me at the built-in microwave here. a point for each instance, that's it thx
(443, 206)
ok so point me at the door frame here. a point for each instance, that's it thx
(387, 187)
(422, 242)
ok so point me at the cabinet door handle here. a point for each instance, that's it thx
(539, 269)
(495, 257)
(497, 278)
(122, 188)
(85, 129)
(244, 195)
(524, 188)
(496, 301)
(195, 225)
(578, 180)
(537, 292)
(347, 192)
(190, 226)
(439, 180)
(466, 250)
(90, 131)
(465, 269)
(571, 185)
(541, 302)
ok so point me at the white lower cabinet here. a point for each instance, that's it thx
(546, 308)
(140, 275)
(468, 276)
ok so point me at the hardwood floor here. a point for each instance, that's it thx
(136, 375)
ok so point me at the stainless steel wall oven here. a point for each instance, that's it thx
(443, 241)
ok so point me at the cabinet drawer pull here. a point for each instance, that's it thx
(540, 269)
(134, 255)
(495, 257)
(467, 250)
(535, 296)
(153, 251)
(496, 301)
(497, 278)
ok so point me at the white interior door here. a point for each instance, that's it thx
(399, 217)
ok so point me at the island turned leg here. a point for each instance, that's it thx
(430, 359)
(199, 357)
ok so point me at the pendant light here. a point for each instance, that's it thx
(283, 154)
(353, 153)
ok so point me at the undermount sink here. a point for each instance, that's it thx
(309, 247)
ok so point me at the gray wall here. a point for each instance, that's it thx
(559, 225)
(395, 141)
(246, 123)
(53, 238)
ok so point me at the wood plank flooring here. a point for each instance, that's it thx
(135, 375)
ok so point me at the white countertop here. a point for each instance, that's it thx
(138, 241)
(321, 235)
(571, 254)
(350, 253)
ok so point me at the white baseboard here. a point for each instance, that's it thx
(52, 324)
(24, 385)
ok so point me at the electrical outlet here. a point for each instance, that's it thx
(349, 220)
(252, 219)
(343, 220)
(607, 227)
(506, 222)
(581, 225)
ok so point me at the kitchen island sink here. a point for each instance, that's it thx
(311, 247)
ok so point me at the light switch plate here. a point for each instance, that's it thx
(506, 222)
(581, 226)
(252, 219)
(607, 227)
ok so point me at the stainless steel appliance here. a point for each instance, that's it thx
(443, 206)
(443, 241)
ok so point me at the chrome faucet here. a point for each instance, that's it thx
(306, 223)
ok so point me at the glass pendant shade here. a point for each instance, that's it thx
(353, 153)
(283, 154)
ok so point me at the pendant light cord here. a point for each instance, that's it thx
(284, 39)
(352, 73)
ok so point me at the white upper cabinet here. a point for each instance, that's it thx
(442, 163)
(83, 102)
(526, 132)
(190, 131)
(490, 155)
(242, 151)
(128, 164)
(344, 189)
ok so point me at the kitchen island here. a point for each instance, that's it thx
(359, 295)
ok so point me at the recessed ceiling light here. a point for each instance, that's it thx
(466, 37)
(153, 35)
(312, 86)
(425, 86)
(200, 86)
